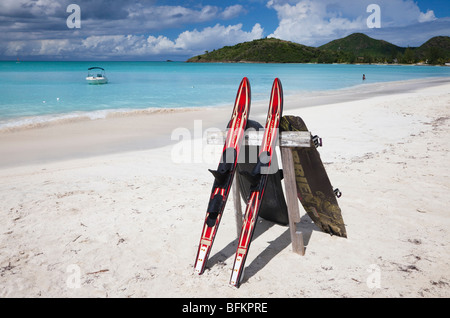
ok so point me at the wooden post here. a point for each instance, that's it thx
(237, 205)
(290, 188)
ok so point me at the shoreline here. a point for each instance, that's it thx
(124, 131)
(311, 63)
(127, 223)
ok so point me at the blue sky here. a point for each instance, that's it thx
(179, 29)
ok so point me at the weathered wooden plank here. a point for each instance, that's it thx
(296, 139)
(254, 138)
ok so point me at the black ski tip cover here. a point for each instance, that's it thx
(211, 219)
(215, 204)
(214, 208)
(220, 178)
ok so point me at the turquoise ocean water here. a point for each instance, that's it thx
(42, 91)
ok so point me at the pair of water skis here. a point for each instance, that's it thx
(260, 179)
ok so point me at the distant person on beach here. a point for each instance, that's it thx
(364, 77)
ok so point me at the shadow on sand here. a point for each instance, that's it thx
(306, 226)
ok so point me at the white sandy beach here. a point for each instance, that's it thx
(107, 208)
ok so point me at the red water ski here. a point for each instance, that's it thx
(224, 175)
(258, 179)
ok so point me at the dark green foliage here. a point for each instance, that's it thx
(263, 50)
(355, 48)
(436, 50)
(364, 49)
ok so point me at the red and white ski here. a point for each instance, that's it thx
(258, 179)
(224, 175)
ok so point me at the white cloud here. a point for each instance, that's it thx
(53, 47)
(216, 37)
(232, 12)
(426, 17)
(188, 42)
(306, 21)
(14, 47)
(48, 47)
(319, 21)
(412, 35)
(126, 45)
(158, 17)
(30, 8)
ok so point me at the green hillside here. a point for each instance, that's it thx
(359, 47)
(263, 50)
(436, 50)
(355, 48)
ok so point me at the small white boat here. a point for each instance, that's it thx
(96, 75)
